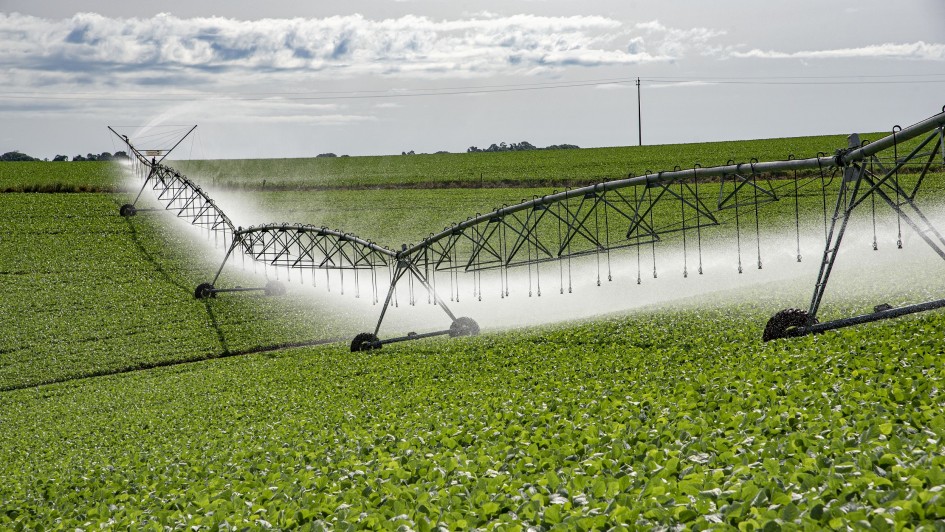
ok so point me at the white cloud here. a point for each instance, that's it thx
(482, 45)
(613, 86)
(680, 84)
(203, 110)
(672, 42)
(651, 85)
(918, 50)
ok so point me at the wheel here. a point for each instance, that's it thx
(275, 288)
(204, 290)
(464, 327)
(365, 342)
(784, 323)
(127, 210)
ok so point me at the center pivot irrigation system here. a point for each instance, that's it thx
(590, 222)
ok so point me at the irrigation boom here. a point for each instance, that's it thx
(593, 220)
(841, 159)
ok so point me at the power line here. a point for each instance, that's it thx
(801, 77)
(750, 82)
(888, 79)
(340, 96)
(390, 91)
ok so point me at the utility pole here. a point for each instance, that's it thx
(639, 115)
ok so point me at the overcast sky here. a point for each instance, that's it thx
(299, 78)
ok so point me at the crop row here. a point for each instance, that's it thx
(91, 176)
(653, 419)
(659, 417)
(72, 265)
(529, 168)
(85, 291)
(410, 215)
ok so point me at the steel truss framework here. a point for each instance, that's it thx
(188, 201)
(306, 247)
(596, 220)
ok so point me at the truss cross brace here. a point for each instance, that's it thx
(852, 193)
(405, 267)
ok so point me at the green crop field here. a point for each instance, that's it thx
(526, 168)
(409, 215)
(86, 291)
(85, 176)
(128, 404)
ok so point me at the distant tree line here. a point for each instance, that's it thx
(14, 156)
(502, 146)
(520, 146)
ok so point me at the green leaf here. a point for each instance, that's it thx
(790, 512)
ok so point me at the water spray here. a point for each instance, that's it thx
(593, 221)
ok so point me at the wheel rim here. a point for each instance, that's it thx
(364, 342)
(204, 291)
(785, 323)
(464, 326)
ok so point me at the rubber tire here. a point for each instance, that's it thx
(275, 288)
(203, 291)
(365, 342)
(464, 327)
(127, 210)
(784, 323)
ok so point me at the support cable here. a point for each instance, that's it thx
(597, 236)
(430, 276)
(477, 245)
(560, 261)
(473, 257)
(738, 232)
(823, 192)
(797, 212)
(537, 271)
(896, 164)
(396, 278)
(528, 249)
(505, 269)
(503, 247)
(682, 211)
(610, 276)
(430, 268)
(479, 264)
(754, 182)
(639, 244)
(534, 234)
(567, 208)
(373, 285)
(873, 210)
(456, 268)
(450, 272)
(695, 178)
(653, 240)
